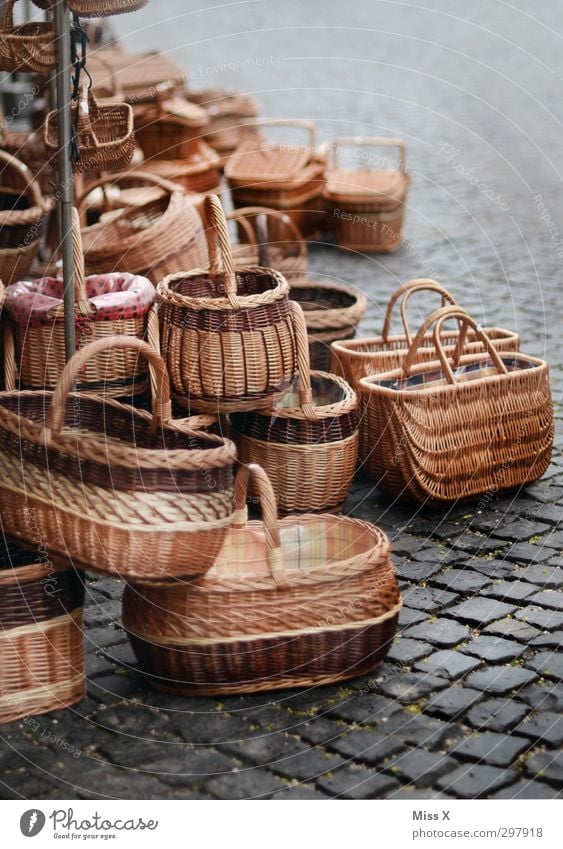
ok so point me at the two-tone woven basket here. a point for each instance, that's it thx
(437, 433)
(41, 639)
(307, 441)
(301, 602)
(359, 358)
(105, 305)
(103, 133)
(366, 203)
(227, 333)
(153, 238)
(289, 178)
(23, 213)
(113, 488)
(27, 47)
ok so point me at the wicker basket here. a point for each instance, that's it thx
(104, 133)
(232, 118)
(367, 203)
(271, 240)
(105, 305)
(305, 601)
(41, 639)
(200, 172)
(153, 239)
(307, 442)
(117, 490)
(28, 47)
(283, 177)
(169, 128)
(227, 336)
(435, 434)
(373, 355)
(104, 8)
(138, 77)
(30, 149)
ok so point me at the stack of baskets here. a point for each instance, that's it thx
(232, 118)
(169, 128)
(198, 172)
(367, 203)
(288, 178)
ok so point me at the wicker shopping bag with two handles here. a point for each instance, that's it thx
(114, 489)
(105, 305)
(299, 602)
(357, 358)
(307, 440)
(227, 333)
(439, 432)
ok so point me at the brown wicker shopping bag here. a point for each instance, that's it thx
(106, 305)
(41, 637)
(115, 489)
(300, 602)
(307, 440)
(27, 47)
(227, 333)
(103, 133)
(439, 432)
(357, 358)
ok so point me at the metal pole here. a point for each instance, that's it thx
(64, 177)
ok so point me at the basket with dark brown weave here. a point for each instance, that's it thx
(41, 638)
(440, 432)
(28, 47)
(227, 333)
(301, 602)
(307, 441)
(359, 358)
(170, 127)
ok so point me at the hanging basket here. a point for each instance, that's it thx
(41, 638)
(285, 177)
(105, 305)
(437, 433)
(307, 442)
(104, 133)
(227, 335)
(271, 240)
(367, 204)
(363, 357)
(113, 488)
(23, 213)
(305, 601)
(154, 238)
(29, 47)
(96, 8)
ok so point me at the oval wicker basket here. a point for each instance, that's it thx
(227, 335)
(434, 433)
(153, 239)
(103, 133)
(28, 47)
(305, 601)
(105, 305)
(23, 212)
(360, 358)
(307, 441)
(41, 638)
(117, 490)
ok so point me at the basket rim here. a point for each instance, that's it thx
(167, 294)
(347, 404)
(336, 317)
(348, 347)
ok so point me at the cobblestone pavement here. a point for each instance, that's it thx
(470, 700)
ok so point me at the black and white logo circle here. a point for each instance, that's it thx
(32, 822)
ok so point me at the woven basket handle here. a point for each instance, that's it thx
(221, 262)
(403, 293)
(87, 115)
(31, 185)
(8, 347)
(8, 16)
(246, 212)
(369, 141)
(436, 319)
(303, 362)
(302, 123)
(269, 509)
(161, 405)
(82, 305)
(127, 177)
(245, 225)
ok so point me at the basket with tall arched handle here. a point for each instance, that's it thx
(437, 433)
(117, 490)
(295, 602)
(359, 358)
(307, 440)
